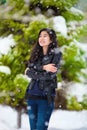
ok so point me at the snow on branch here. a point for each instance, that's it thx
(5, 69)
(5, 44)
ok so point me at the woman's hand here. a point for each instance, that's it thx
(50, 68)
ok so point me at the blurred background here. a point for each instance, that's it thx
(20, 22)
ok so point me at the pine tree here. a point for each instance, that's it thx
(23, 19)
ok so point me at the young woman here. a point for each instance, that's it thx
(42, 69)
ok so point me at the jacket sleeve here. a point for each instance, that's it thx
(57, 61)
(36, 66)
(35, 71)
(39, 75)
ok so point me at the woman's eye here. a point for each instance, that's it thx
(42, 36)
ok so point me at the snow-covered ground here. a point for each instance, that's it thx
(60, 120)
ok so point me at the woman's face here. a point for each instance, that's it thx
(44, 39)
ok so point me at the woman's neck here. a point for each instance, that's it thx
(45, 49)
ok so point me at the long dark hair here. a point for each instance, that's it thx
(37, 51)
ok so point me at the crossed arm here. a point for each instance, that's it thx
(44, 72)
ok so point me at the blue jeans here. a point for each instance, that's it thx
(39, 112)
